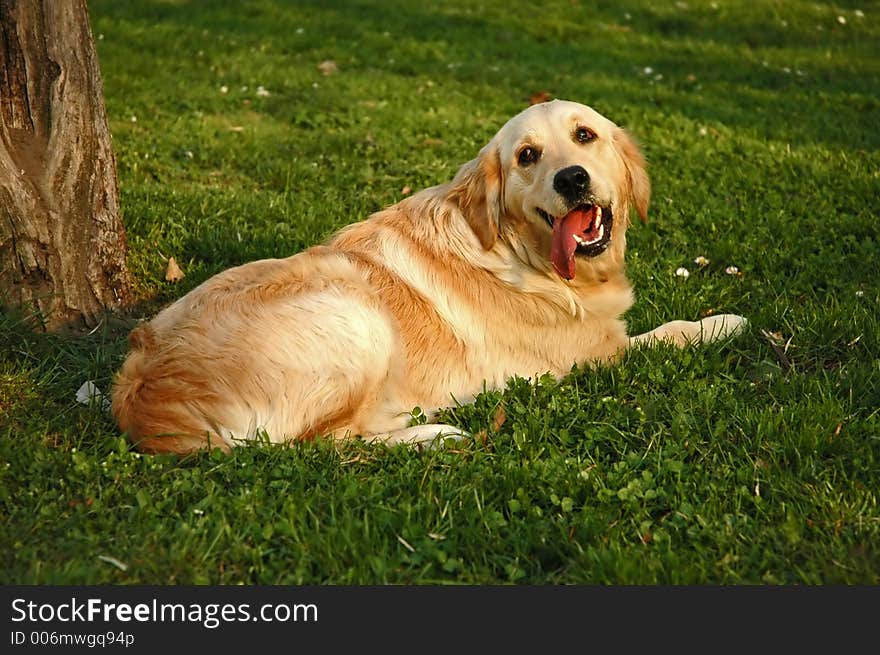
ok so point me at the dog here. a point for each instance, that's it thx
(514, 268)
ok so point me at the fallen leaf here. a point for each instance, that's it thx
(173, 272)
(406, 190)
(499, 418)
(328, 67)
(89, 392)
(539, 97)
(775, 341)
(122, 566)
(774, 336)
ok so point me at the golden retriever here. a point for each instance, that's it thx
(514, 268)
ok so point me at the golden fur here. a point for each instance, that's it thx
(423, 304)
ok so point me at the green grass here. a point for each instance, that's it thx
(711, 465)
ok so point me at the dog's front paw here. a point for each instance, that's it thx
(423, 437)
(721, 326)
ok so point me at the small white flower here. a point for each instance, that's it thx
(314, 85)
(101, 36)
(198, 511)
(244, 89)
(701, 261)
(681, 271)
(134, 119)
(262, 92)
(841, 20)
(648, 70)
(859, 13)
(732, 270)
(703, 131)
(224, 89)
(189, 154)
(299, 30)
(860, 294)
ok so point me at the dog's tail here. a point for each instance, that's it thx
(153, 401)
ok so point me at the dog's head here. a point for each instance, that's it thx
(560, 177)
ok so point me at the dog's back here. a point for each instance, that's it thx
(254, 349)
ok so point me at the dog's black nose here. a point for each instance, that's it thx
(572, 183)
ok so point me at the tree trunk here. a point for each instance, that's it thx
(62, 243)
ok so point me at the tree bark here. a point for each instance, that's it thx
(62, 243)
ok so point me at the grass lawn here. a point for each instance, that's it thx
(731, 463)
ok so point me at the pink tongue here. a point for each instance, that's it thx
(562, 249)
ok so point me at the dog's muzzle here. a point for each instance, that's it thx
(584, 231)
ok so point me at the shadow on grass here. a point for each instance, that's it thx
(749, 77)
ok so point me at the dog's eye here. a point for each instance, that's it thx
(528, 156)
(584, 134)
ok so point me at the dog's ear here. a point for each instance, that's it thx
(477, 188)
(636, 173)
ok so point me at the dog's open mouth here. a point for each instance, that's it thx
(585, 231)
